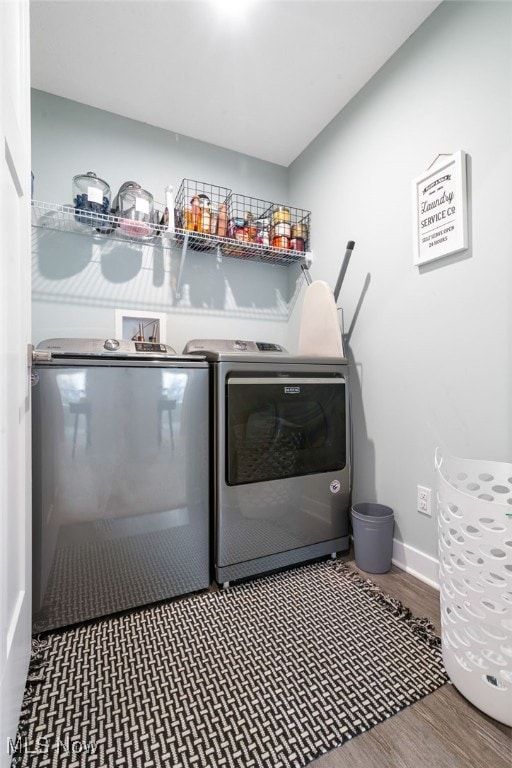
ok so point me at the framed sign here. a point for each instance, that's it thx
(440, 216)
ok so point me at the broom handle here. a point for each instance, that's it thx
(341, 276)
(305, 272)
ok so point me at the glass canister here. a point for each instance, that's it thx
(91, 196)
(135, 210)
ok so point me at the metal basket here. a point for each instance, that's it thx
(268, 224)
(249, 221)
(201, 209)
(209, 217)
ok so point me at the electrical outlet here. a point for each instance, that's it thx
(424, 503)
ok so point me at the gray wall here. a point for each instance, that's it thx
(430, 347)
(78, 282)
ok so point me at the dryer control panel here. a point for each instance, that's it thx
(229, 346)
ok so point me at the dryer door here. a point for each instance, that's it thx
(282, 427)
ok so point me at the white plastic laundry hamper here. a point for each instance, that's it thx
(474, 506)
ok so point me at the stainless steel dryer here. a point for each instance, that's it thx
(281, 456)
(120, 477)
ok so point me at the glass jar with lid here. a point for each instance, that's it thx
(91, 198)
(135, 210)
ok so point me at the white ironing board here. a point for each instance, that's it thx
(320, 333)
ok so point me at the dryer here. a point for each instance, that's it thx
(280, 438)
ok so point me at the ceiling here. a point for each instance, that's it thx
(264, 83)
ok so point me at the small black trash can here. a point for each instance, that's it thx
(372, 526)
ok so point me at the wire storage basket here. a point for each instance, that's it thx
(201, 209)
(290, 228)
(248, 223)
(208, 218)
(272, 230)
(474, 505)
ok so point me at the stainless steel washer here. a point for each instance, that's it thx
(120, 477)
(281, 456)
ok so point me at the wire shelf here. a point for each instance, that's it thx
(65, 218)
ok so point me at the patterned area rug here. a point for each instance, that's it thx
(267, 674)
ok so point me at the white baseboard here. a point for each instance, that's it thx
(418, 564)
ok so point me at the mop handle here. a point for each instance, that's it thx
(305, 272)
(341, 276)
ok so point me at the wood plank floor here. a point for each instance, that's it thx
(443, 730)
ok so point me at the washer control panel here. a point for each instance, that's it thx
(104, 348)
(227, 346)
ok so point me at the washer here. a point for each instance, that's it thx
(120, 477)
(281, 456)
